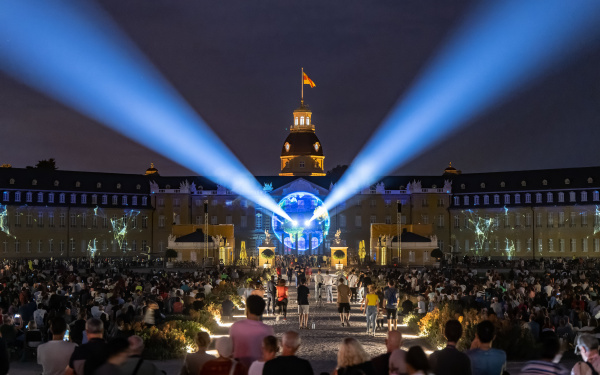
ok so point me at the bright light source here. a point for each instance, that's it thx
(74, 53)
(499, 49)
(294, 223)
(307, 223)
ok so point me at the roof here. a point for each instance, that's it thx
(197, 236)
(302, 143)
(411, 237)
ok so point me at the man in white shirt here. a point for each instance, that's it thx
(353, 283)
(55, 354)
(329, 280)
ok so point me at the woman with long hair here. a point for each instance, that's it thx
(352, 359)
(370, 306)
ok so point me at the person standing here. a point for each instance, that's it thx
(450, 361)
(485, 359)
(193, 362)
(54, 355)
(343, 302)
(135, 364)
(90, 356)
(394, 357)
(319, 280)
(390, 295)
(369, 306)
(282, 299)
(303, 294)
(353, 283)
(271, 295)
(288, 363)
(270, 347)
(329, 280)
(548, 365)
(247, 335)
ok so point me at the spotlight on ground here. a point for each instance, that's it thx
(73, 52)
(500, 47)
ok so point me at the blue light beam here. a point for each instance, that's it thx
(501, 46)
(73, 52)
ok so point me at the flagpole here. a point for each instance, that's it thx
(302, 86)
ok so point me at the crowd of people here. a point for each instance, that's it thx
(81, 320)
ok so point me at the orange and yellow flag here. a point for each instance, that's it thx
(308, 81)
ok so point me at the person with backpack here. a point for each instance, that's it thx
(390, 296)
(587, 344)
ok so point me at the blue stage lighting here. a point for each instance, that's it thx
(71, 51)
(502, 46)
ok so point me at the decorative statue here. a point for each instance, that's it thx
(217, 240)
(267, 237)
(338, 235)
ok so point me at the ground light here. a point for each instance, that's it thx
(500, 47)
(73, 52)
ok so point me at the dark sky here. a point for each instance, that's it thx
(238, 64)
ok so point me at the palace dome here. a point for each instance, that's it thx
(302, 143)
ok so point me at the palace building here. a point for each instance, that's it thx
(543, 213)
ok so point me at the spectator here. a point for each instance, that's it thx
(303, 308)
(486, 360)
(587, 345)
(282, 299)
(352, 359)
(549, 362)
(270, 347)
(271, 294)
(4, 358)
(247, 335)
(88, 357)
(450, 361)
(193, 362)
(370, 307)
(227, 309)
(534, 327)
(407, 305)
(225, 364)
(116, 354)
(343, 300)
(390, 295)
(135, 364)
(54, 355)
(288, 363)
(416, 361)
(394, 357)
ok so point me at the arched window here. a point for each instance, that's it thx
(315, 242)
(296, 121)
(496, 199)
(482, 185)
(584, 196)
(550, 198)
(517, 198)
(301, 243)
(308, 121)
(506, 199)
(502, 184)
(527, 198)
(572, 197)
(561, 196)
(486, 199)
(301, 120)
(476, 200)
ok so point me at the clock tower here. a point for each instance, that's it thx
(302, 154)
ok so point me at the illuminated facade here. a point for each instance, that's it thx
(302, 153)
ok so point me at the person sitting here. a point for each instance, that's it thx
(548, 364)
(588, 348)
(227, 309)
(118, 352)
(484, 358)
(54, 355)
(352, 359)
(270, 347)
(393, 357)
(450, 361)
(135, 364)
(193, 362)
(288, 363)
(416, 361)
(225, 364)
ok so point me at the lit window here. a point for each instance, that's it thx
(5, 196)
(301, 120)
(134, 201)
(83, 199)
(527, 198)
(18, 196)
(308, 121)
(301, 164)
(596, 196)
(40, 197)
(296, 120)
(496, 199)
(29, 196)
(517, 198)
(486, 199)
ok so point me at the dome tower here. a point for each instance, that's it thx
(302, 154)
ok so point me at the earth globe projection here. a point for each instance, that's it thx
(301, 207)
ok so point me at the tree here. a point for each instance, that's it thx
(170, 253)
(49, 164)
(336, 173)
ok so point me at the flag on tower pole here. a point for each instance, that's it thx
(305, 81)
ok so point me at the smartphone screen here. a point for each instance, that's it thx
(66, 336)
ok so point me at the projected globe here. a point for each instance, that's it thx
(301, 231)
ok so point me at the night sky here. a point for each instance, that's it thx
(238, 64)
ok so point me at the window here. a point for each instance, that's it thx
(551, 245)
(506, 220)
(228, 219)
(358, 221)
(145, 221)
(549, 197)
(517, 198)
(61, 247)
(50, 246)
(561, 219)
(466, 222)
(584, 219)
(105, 199)
(115, 199)
(561, 245)
(144, 201)
(425, 219)
(486, 199)
(496, 221)
(73, 220)
(40, 197)
(411, 256)
(518, 246)
(572, 196)
(243, 221)
(476, 200)
(441, 221)
(467, 248)
(573, 245)
(561, 197)
(301, 164)
(538, 197)
(596, 196)
(550, 219)
(388, 219)
(441, 202)
(584, 245)
(17, 246)
(342, 220)
(124, 200)
(213, 220)
(573, 216)
(482, 185)
(307, 120)
(373, 219)
(119, 186)
(496, 199)
(144, 245)
(198, 220)
(61, 198)
(529, 244)
(506, 199)
(517, 221)
(94, 221)
(544, 182)
(596, 245)
(374, 203)
(62, 220)
(105, 222)
(456, 222)
(40, 219)
(134, 245)
(527, 198)
(176, 202)
(94, 199)
(584, 196)
(73, 198)
(51, 198)
(161, 221)
(51, 219)
(502, 184)
(466, 200)
(29, 196)
(258, 220)
(29, 220)
(301, 120)
(39, 246)
(456, 201)
(441, 245)
(540, 245)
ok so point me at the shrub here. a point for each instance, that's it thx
(267, 254)
(339, 254)
(163, 343)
